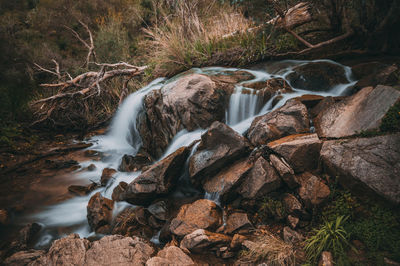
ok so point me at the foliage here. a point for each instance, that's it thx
(270, 250)
(331, 236)
(376, 225)
(272, 208)
(391, 121)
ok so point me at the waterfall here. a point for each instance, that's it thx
(123, 137)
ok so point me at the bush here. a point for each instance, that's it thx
(331, 236)
(391, 121)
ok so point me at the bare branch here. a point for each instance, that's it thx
(56, 72)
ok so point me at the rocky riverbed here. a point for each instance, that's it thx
(190, 167)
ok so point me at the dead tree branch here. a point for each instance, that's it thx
(89, 45)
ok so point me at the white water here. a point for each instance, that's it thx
(123, 138)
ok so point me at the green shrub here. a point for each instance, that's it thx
(331, 236)
(391, 121)
(272, 208)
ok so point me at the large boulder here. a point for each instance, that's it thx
(261, 180)
(317, 76)
(110, 250)
(375, 73)
(170, 256)
(219, 147)
(226, 182)
(118, 250)
(202, 241)
(191, 102)
(156, 181)
(366, 164)
(201, 214)
(292, 118)
(360, 112)
(99, 213)
(300, 151)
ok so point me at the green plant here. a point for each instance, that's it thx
(391, 121)
(272, 208)
(331, 236)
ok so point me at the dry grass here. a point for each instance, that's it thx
(192, 34)
(271, 250)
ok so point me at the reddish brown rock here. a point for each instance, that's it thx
(99, 213)
(285, 171)
(292, 204)
(300, 151)
(225, 182)
(201, 214)
(292, 118)
(170, 256)
(360, 112)
(156, 181)
(237, 222)
(134, 163)
(202, 241)
(191, 102)
(24, 258)
(326, 259)
(219, 147)
(118, 192)
(313, 191)
(261, 180)
(106, 175)
(237, 241)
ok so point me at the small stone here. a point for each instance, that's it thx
(4, 217)
(237, 241)
(99, 213)
(292, 204)
(285, 171)
(106, 175)
(326, 259)
(293, 221)
(313, 191)
(291, 236)
(91, 167)
(237, 222)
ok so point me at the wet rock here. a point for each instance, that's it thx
(310, 100)
(118, 192)
(91, 167)
(300, 151)
(326, 259)
(261, 180)
(237, 222)
(233, 77)
(292, 204)
(193, 101)
(82, 190)
(99, 213)
(26, 237)
(317, 76)
(312, 191)
(159, 210)
(23, 257)
(292, 118)
(291, 236)
(360, 112)
(156, 181)
(375, 73)
(4, 217)
(202, 241)
(285, 171)
(226, 182)
(106, 175)
(201, 214)
(91, 153)
(170, 256)
(219, 147)
(118, 250)
(366, 165)
(134, 163)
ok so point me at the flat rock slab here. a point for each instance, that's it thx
(360, 112)
(300, 151)
(366, 164)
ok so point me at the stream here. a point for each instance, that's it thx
(123, 137)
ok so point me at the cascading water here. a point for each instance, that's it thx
(123, 138)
